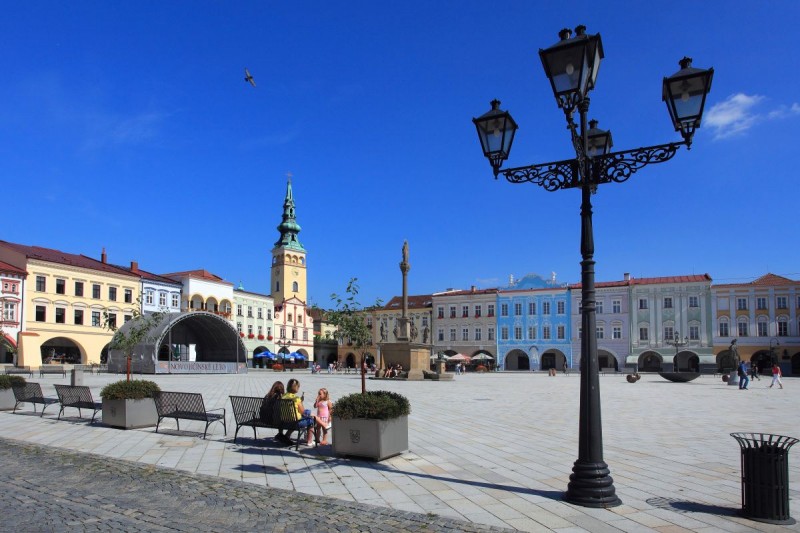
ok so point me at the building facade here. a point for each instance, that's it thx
(612, 310)
(252, 314)
(12, 289)
(671, 323)
(763, 317)
(464, 322)
(288, 282)
(65, 309)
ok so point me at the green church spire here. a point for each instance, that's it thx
(289, 228)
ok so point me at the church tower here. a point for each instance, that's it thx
(288, 275)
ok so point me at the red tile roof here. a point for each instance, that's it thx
(196, 274)
(767, 280)
(603, 284)
(63, 258)
(414, 302)
(7, 268)
(691, 278)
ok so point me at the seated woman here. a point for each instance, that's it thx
(269, 407)
(304, 420)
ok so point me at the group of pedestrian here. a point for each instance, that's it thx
(461, 368)
(313, 423)
(744, 379)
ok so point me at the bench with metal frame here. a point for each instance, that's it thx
(186, 406)
(52, 369)
(19, 370)
(290, 421)
(79, 397)
(31, 393)
(251, 411)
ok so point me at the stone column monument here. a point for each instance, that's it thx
(412, 355)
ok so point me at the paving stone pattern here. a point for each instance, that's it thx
(47, 489)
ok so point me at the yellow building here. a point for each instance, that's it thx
(63, 304)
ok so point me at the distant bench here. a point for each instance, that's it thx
(186, 406)
(52, 369)
(78, 397)
(19, 370)
(31, 393)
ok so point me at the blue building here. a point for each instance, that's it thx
(533, 328)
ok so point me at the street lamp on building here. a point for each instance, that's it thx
(284, 343)
(571, 66)
(678, 344)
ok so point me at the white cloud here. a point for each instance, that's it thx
(739, 112)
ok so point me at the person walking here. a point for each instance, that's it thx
(776, 375)
(742, 373)
(754, 371)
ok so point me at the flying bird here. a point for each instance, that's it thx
(249, 78)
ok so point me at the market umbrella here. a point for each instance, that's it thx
(458, 357)
(482, 357)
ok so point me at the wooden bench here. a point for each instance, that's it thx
(79, 397)
(52, 369)
(32, 393)
(19, 370)
(187, 406)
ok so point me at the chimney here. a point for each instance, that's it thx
(135, 266)
(103, 257)
(473, 289)
(626, 276)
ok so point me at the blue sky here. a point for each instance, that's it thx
(128, 125)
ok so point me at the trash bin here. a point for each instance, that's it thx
(765, 476)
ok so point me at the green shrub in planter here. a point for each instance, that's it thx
(135, 389)
(6, 382)
(379, 405)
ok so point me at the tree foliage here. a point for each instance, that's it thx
(126, 339)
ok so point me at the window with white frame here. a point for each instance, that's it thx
(249, 329)
(669, 333)
(694, 301)
(162, 299)
(477, 311)
(644, 333)
(490, 334)
(464, 311)
(546, 308)
(598, 307)
(531, 308)
(96, 319)
(440, 311)
(600, 332)
(532, 333)
(742, 328)
(761, 303)
(490, 309)
(781, 302)
(260, 314)
(305, 335)
(260, 331)
(478, 335)
(249, 311)
(546, 333)
(452, 311)
(616, 332)
(694, 333)
(10, 311)
(642, 303)
(518, 333)
(762, 327)
(616, 306)
(783, 327)
(668, 302)
(41, 284)
(424, 321)
(517, 309)
(503, 309)
(561, 307)
(561, 332)
(452, 334)
(148, 297)
(723, 328)
(41, 313)
(504, 333)
(741, 304)
(464, 334)
(176, 301)
(440, 335)
(294, 333)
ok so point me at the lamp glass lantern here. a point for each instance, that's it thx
(685, 94)
(598, 142)
(496, 130)
(571, 65)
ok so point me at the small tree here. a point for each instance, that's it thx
(349, 320)
(138, 331)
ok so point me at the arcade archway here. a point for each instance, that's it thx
(650, 362)
(62, 350)
(517, 360)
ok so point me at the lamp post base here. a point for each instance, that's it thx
(590, 485)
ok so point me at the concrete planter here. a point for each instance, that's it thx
(7, 400)
(130, 414)
(372, 439)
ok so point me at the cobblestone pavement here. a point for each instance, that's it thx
(45, 489)
(492, 450)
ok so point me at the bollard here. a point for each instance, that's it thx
(76, 377)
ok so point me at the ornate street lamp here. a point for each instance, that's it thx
(284, 343)
(571, 66)
(678, 344)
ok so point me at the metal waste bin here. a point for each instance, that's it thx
(765, 476)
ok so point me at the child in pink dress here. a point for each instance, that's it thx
(323, 417)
